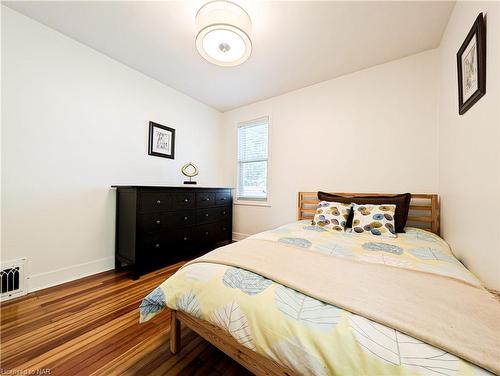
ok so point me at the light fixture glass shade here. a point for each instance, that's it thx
(223, 33)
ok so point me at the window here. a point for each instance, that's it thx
(252, 160)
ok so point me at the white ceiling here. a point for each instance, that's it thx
(296, 43)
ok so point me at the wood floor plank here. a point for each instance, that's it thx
(91, 327)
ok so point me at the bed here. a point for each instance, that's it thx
(274, 329)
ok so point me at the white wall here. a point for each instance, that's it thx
(74, 122)
(469, 145)
(371, 131)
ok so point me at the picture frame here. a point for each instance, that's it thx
(161, 141)
(471, 66)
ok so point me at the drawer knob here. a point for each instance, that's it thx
(158, 201)
(206, 232)
(185, 238)
(158, 222)
(185, 218)
(157, 245)
(223, 199)
(207, 198)
(223, 213)
(206, 214)
(186, 200)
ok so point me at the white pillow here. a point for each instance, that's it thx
(377, 220)
(332, 215)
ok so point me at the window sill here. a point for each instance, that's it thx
(252, 203)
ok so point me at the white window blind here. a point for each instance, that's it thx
(252, 160)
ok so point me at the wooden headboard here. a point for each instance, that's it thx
(424, 208)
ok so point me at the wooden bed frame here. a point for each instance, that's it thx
(424, 213)
(254, 362)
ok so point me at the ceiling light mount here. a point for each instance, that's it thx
(223, 33)
(224, 47)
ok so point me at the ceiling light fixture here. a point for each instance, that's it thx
(223, 33)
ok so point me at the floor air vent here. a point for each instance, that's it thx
(12, 279)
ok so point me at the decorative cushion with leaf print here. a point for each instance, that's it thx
(374, 219)
(332, 215)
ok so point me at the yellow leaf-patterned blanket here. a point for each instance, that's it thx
(303, 332)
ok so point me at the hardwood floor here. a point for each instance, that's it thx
(91, 327)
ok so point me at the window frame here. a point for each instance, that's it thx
(253, 201)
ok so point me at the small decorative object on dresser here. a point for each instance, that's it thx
(161, 141)
(189, 170)
(158, 226)
(471, 65)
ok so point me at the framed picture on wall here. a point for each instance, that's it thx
(161, 141)
(471, 65)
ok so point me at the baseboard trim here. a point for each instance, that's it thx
(56, 277)
(237, 236)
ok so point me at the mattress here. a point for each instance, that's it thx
(305, 334)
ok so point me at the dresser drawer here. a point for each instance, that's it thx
(208, 215)
(161, 221)
(223, 213)
(223, 198)
(185, 238)
(205, 199)
(222, 231)
(154, 202)
(155, 243)
(151, 222)
(206, 233)
(181, 218)
(157, 250)
(183, 200)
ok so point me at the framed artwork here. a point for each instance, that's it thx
(161, 141)
(471, 66)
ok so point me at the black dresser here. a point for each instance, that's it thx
(158, 226)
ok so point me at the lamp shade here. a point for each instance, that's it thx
(223, 33)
